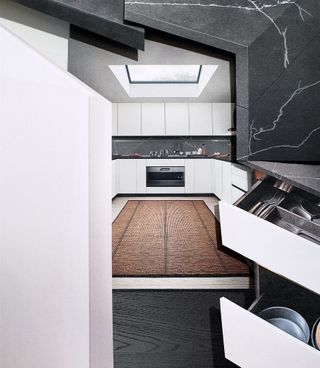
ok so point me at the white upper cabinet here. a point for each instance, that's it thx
(129, 119)
(222, 116)
(200, 119)
(177, 118)
(114, 119)
(153, 121)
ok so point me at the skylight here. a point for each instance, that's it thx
(159, 74)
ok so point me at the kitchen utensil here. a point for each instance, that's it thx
(287, 320)
(315, 334)
(310, 210)
(260, 206)
(265, 209)
(304, 234)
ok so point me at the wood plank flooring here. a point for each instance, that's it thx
(170, 329)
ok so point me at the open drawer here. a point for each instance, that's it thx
(251, 342)
(268, 244)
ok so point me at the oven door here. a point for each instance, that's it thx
(169, 176)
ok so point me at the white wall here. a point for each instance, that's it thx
(55, 226)
(46, 34)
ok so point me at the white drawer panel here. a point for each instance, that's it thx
(271, 246)
(251, 342)
(240, 170)
(165, 162)
(165, 190)
(240, 181)
(236, 194)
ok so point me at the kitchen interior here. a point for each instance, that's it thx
(173, 158)
(213, 225)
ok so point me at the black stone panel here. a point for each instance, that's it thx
(306, 177)
(102, 17)
(272, 54)
(232, 21)
(242, 117)
(284, 124)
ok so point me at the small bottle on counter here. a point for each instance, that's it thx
(203, 146)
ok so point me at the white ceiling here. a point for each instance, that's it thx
(90, 64)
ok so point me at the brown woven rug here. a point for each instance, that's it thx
(170, 238)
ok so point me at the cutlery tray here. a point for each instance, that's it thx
(282, 213)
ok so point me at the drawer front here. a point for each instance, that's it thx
(240, 182)
(236, 194)
(251, 342)
(165, 190)
(271, 246)
(165, 162)
(240, 170)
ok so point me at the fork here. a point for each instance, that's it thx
(260, 206)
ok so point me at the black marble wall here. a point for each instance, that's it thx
(278, 75)
(143, 146)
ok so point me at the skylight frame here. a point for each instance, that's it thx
(163, 82)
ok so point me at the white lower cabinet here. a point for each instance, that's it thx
(127, 176)
(189, 176)
(251, 342)
(270, 246)
(227, 183)
(141, 176)
(115, 178)
(202, 176)
(218, 182)
(236, 193)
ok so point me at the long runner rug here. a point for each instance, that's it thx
(170, 238)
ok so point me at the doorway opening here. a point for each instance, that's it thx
(173, 146)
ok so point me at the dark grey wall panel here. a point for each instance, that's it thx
(285, 121)
(268, 38)
(102, 17)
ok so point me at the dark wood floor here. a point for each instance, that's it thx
(170, 329)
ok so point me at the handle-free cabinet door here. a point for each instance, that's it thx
(114, 119)
(189, 176)
(127, 176)
(251, 342)
(222, 115)
(129, 119)
(200, 118)
(202, 175)
(177, 118)
(270, 246)
(153, 122)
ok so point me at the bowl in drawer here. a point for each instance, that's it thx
(315, 334)
(287, 320)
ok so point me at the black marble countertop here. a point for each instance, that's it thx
(221, 158)
(306, 177)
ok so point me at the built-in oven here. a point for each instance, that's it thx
(168, 176)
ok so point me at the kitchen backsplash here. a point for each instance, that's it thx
(128, 146)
